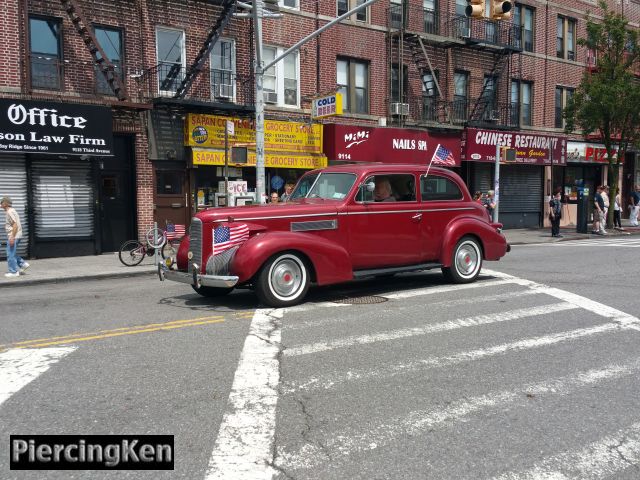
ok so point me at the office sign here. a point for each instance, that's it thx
(32, 126)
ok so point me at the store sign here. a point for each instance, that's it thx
(55, 128)
(272, 160)
(387, 145)
(208, 131)
(530, 148)
(327, 106)
(587, 152)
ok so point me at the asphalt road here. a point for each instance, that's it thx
(530, 373)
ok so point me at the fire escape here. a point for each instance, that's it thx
(465, 66)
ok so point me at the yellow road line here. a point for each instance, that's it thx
(116, 332)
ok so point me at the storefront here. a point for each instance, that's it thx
(349, 143)
(523, 189)
(69, 178)
(291, 148)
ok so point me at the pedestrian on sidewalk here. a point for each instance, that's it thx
(14, 233)
(617, 212)
(489, 203)
(555, 214)
(605, 210)
(635, 206)
(598, 211)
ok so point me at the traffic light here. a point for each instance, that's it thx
(475, 8)
(507, 154)
(501, 9)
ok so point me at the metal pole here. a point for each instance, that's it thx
(258, 6)
(155, 250)
(496, 185)
(226, 165)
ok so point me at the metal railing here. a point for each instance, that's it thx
(217, 85)
(482, 30)
(417, 19)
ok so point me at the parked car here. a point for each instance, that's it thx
(341, 223)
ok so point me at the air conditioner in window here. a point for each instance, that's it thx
(224, 91)
(399, 109)
(270, 97)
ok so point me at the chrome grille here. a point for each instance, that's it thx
(219, 264)
(195, 241)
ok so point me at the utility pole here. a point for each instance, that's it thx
(258, 14)
(496, 184)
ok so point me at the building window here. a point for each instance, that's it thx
(489, 97)
(171, 58)
(289, 3)
(45, 51)
(395, 84)
(523, 20)
(223, 70)
(353, 83)
(521, 93)
(429, 97)
(563, 96)
(281, 80)
(460, 95)
(110, 40)
(430, 12)
(566, 38)
(344, 6)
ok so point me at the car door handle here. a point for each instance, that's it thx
(417, 217)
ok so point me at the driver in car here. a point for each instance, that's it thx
(382, 192)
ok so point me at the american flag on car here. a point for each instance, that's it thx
(443, 156)
(225, 237)
(175, 230)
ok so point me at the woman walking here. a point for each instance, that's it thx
(555, 214)
(617, 211)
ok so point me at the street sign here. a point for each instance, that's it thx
(231, 128)
(327, 106)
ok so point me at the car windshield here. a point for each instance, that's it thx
(330, 186)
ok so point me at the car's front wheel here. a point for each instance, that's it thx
(283, 281)
(466, 261)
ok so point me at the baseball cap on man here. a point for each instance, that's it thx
(6, 200)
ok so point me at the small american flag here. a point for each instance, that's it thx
(175, 231)
(442, 156)
(225, 237)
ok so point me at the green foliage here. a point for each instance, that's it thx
(607, 101)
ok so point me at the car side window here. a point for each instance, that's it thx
(389, 188)
(435, 188)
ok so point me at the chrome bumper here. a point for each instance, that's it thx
(196, 279)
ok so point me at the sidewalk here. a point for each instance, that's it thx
(52, 270)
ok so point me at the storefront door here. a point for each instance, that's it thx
(117, 208)
(13, 184)
(172, 198)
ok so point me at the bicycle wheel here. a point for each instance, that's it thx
(169, 251)
(131, 253)
(156, 237)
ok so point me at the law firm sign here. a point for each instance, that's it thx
(55, 128)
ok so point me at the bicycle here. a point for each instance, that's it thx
(132, 252)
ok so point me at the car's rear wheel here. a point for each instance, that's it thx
(283, 281)
(211, 292)
(466, 261)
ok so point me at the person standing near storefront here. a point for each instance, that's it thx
(14, 233)
(555, 214)
(598, 212)
(635, 206)
(490, 203)
(617, 211)
(605, 210)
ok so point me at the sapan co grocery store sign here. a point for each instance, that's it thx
(28, 126)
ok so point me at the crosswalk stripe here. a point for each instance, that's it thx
(19, 367)
(426, 329)
(347, 442)
(302, 324)
(600, 459)
(332, 381)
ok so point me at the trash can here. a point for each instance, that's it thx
(582, 219)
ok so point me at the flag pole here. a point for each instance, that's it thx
(434, 156)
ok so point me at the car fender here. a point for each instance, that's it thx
(330, 261)
(493, 243)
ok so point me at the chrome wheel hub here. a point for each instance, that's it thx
(286, 278)
(466, 259)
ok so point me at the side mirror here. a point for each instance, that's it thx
(370, 186)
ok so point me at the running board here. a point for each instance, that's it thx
(386, 271)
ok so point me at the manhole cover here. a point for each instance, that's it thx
(362, 300)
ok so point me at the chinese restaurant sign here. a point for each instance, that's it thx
(28, 126)
(272, 160)
(530, 148)
(386, 145)
(208, 131)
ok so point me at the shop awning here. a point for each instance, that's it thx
(273, 159)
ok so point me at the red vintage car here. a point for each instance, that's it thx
(341, 223)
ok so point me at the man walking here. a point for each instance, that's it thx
(635, 206)
(14, 234)
(598, 212)
(605, 211)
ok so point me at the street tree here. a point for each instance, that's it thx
(607, 101)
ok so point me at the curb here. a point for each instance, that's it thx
(77, 278)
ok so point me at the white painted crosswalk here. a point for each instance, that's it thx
(612, 242)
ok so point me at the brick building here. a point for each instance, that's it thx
(408, 70)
